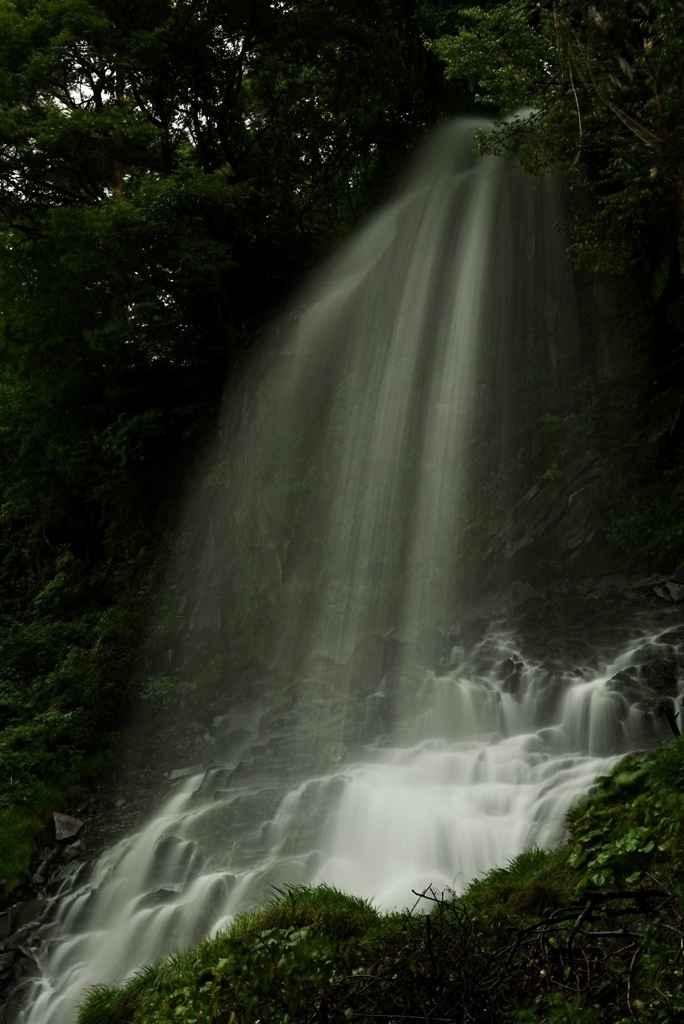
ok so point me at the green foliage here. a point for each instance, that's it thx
(647, 526)
(554, 472)
(505, 76)
(106, 1005)
(20, 830)
(267, 966)
(554, 937)
(605, 86)
(42, 775)
(644, 839)
(163, 693)
(499, 487)
(556, 1008)
(165, 170)
(534, 882)
(339, 916)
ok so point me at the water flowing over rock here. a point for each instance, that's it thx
(371, 733)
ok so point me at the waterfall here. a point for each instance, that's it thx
(375, 747)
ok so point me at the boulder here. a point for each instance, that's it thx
(508, 671)
(172, 860)
(159, 897)
(671, 591)
(66, 827)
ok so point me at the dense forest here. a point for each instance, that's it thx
(170, 170)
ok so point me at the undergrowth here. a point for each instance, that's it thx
(23, 823)
(591, 933)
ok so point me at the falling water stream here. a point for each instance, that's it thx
(356, 758)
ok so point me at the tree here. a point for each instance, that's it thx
(603, 85)
(167, 168)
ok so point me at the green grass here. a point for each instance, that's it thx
(534, 882)
(323, 908)
(20, 829)
(268, 961)
(24, 823)
(592, 932)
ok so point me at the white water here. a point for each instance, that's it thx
(378, 778)
(470, 776)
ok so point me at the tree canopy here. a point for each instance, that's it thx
(602, 87)
(167, 169)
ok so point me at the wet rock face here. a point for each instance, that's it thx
(174, 858)
(20, 950)
(510, 673)
(373, 656)
(46, 857)
(589, 613)
(653, 688)
(673, 636)
(557, 520)
(654, 679)
(8, 960)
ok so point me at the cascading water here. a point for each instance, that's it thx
(362, 756)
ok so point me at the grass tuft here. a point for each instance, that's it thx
(321, 907)
(532, 883)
